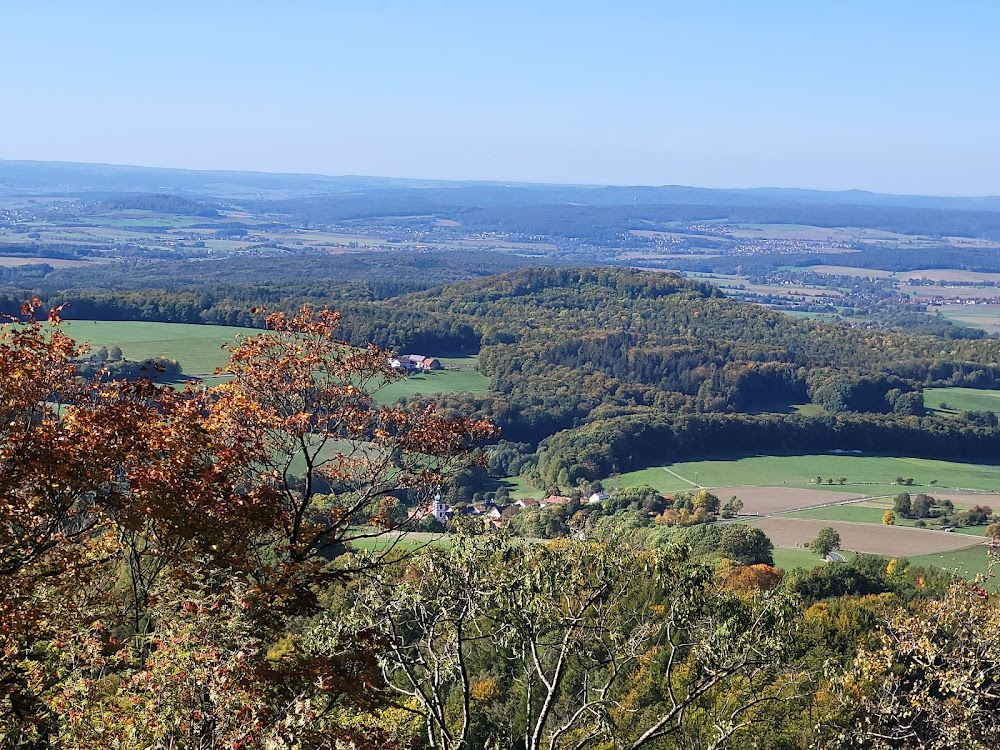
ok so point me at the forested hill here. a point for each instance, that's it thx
(568, 349)
(637, 325)
(618, 351)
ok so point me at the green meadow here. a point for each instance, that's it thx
(790, 559)
(200, 349)
(866, 512)
(870, 475)
(966, 563)
(460, 375)
(962, 399)
(408, 542)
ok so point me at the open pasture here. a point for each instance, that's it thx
(891, 541)
(967, 563)
(197, 347)
(790, 559)
(962, 399)
(854, 512)
(777, 290)
(871, 513)
(400, 543)
(986, 317)
(517, 488)
(866, 475)
(460, 375)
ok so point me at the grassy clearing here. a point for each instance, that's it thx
(460, 375)
(966, 563)
(962, 399)
(790, 559)
(518, 488)
(414, 540)
(872, 475)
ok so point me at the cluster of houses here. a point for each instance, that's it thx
(411, 362)
(490, 512)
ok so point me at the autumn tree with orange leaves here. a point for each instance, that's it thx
(162, 551)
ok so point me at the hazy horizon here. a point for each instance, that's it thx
(893, 97)
(489, 181)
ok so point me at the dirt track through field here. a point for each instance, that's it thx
(678, 476)
(892, 541)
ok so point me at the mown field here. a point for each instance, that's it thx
(872, 512)
(790, 559)
(961, 399)
(198, 348)
(13, 261)
(870, 475)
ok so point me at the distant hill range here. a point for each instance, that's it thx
(80, 180)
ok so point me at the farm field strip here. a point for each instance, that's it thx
(986, 317)
(870, 514)
(406, 542)
(891, 541)
(766, 501)
(948, 274)
(14, 261)
(873, 273)
(951, 292)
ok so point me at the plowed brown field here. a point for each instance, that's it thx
(892, 541)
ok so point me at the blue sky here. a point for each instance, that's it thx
(882, 95)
